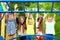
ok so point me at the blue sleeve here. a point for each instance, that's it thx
(15, 20)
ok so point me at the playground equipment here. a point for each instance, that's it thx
(3, 11)
(3, 20)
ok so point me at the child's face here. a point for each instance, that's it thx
(30, 22)
(10, 17)
(21, 20)
(49, 19)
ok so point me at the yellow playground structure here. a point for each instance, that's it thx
(3, 32)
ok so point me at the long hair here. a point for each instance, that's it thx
(20, 20)
(23, 24)
(40, 25)
(41, 20)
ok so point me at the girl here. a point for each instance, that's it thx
(26, 15)
(21, 27)
(30, 27)
(11, 27)
(39, 28)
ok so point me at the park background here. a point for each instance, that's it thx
(43, 6)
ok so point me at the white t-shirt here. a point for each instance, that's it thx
(50, 27)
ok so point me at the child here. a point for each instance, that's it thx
(26, 15)
(30, 27)
(50, 31)
(39, 28)
(21, 27)
(11, 27)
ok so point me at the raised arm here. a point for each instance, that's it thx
(54, 17)
(27, 21)
(36, 19)
(44, 17)
(31, 16)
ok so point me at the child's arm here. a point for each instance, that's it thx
(54, 17)
(14, 15)
(15, 20)
(31, 16)
(44, 17)
(36, 19)
(27, 21)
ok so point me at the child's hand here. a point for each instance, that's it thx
(15, 6)
(54, 15)
(31, 15)
(26, 14)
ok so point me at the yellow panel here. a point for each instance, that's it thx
(3, 27)
(3, 23)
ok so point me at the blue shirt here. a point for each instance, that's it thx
(11, 27)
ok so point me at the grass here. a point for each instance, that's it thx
(57, 26)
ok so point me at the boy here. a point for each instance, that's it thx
(11, 27)
(50, 31)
